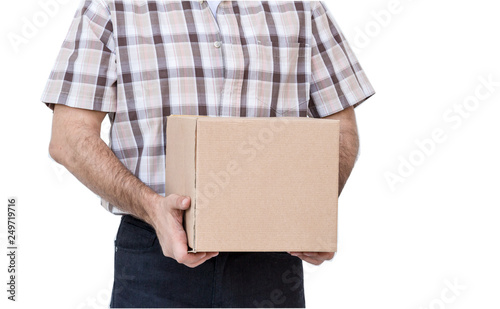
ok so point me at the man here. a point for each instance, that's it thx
(140, 61)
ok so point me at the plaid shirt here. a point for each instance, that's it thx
(141, 61)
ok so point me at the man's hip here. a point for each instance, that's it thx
(144, 277)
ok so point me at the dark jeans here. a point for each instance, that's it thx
(144, 277)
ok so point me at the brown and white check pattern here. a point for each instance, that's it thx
(141, 61)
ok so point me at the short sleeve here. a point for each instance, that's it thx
(84, 74)
(337, 79)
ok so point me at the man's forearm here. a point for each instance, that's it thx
(81, 150)
(349, 143)
(97, 167)
(76, 143)
(349, 146)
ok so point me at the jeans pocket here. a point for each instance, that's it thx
(134, 235)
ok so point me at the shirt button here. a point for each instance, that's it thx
(217, 44)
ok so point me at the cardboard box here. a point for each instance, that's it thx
(256, 184)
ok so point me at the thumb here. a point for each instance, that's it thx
(179, 202)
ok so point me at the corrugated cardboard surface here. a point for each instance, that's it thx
(261, 184)
(180, 164)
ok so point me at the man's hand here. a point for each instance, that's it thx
(76, 144)
(315, 258)
(167, 222)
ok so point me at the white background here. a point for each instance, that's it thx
(399, 247)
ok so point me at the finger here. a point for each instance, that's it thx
(176, 218)
(309, 257)
(180, 249)
(323, 255)
(313, 255)
(179, 244)
(182, 255)
(187, 258)
(203, 256)
(305, 253)
(316, 255)
(203, 260)
(310, 260)
(178, 202)
(328, 256)
(195, 259)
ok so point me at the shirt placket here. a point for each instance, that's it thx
(231, 52)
